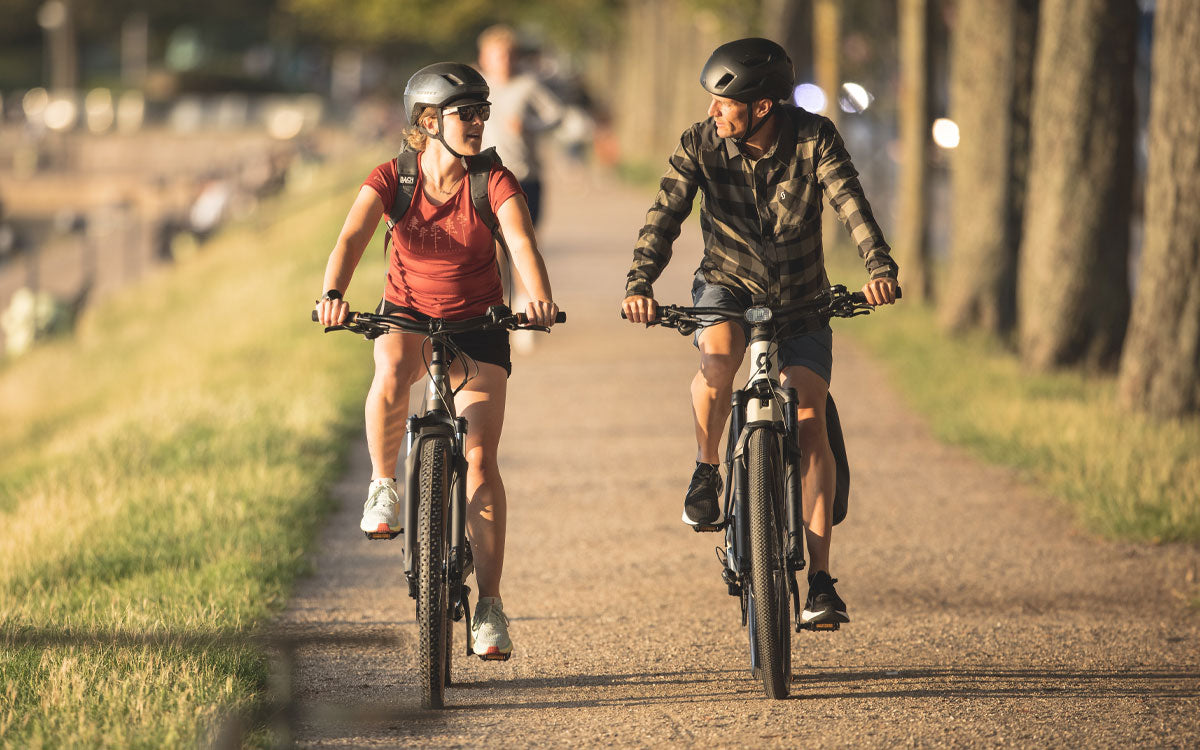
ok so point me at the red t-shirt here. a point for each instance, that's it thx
(443, 258)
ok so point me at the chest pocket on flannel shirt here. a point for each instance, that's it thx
(800, 198)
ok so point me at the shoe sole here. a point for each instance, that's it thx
(495, 654)
(824, 617)
(698, 526)
(383, 531)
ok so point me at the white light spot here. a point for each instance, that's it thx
(945, 132)
(854, 98)
(810, 97)
(60, 114)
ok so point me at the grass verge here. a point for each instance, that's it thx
(1124, 476)
(162, 473)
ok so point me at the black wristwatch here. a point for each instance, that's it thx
(332, 294)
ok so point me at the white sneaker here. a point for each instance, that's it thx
(489, 631)
(381, 513)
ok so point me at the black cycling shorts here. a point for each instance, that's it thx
(482, 346)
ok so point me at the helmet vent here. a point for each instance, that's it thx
(754, 62)
(453, 79)
(724, 81)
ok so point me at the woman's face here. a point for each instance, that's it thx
(464, 136)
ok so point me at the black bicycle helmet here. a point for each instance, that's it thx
(440, 85)
(747, 70)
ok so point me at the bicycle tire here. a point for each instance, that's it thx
(449, 646)
(768, 567)
(432, 606)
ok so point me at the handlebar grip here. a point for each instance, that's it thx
(861, 298)
(315, 319)
(523, 319)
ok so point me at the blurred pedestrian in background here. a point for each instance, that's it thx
(522, 110)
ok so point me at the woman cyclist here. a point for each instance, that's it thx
(443, 264)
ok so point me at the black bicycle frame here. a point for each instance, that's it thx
(438, 419)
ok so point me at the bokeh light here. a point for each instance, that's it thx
(99, 111)
(810, 97)
(61, 114)
(34, 103)
(945, 132)
(854, 98)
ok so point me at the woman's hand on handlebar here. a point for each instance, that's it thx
(639, 309)
(541, 313)
(332, 310)
(880, 291)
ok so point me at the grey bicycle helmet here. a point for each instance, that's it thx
(440, 85)
(747, 70)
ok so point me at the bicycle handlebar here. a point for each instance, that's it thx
(372, 325)
(834, 302)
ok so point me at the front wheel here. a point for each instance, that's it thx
(768, 563)
(432, 620)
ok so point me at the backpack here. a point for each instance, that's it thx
(478, 169)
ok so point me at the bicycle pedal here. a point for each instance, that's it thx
(383, 534)
(819, 626)
(701, 528)
(494, 656)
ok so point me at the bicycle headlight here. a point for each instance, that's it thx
(756, 315)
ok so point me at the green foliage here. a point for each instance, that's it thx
(441, 22)
(163, 474)
(1123, 476)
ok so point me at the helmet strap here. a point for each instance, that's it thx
(438, 135)
(754, 127)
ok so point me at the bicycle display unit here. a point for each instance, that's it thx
(762, 511)
(437, 555)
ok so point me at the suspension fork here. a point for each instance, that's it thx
(458, 514)
(793, 492)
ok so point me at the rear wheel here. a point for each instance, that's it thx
(432, 605)
(768, 565)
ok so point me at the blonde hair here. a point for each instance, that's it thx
(417, 141)
(497, 33)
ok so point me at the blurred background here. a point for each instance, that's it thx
(1016, 133)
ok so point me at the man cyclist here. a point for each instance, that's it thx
(761, 166)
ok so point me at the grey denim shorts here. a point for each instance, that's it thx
(812, 350)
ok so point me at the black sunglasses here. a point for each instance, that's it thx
(468, 112)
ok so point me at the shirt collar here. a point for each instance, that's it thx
(784, 143)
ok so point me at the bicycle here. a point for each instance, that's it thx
(763, 518)
(437, 555)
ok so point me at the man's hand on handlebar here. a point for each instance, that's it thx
(880, 291)
(332, 309)
(541, 313)
(640, 309)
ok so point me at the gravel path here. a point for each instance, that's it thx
(981, 616)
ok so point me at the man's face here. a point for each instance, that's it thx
(496, 59)
(731, 117)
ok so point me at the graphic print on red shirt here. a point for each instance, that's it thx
(443, 258)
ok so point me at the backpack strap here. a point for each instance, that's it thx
(479, 169)
(406, 184)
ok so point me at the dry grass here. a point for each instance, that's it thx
(163, 472)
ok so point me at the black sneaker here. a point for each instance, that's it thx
(700, 506)
(823, 605)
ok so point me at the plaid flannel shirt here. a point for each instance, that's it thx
(761, 219)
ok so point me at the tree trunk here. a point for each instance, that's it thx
(1073, 282)
(826, 36)
(789, 23)
(993, 46)
(912, 245)
(1160, 369)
